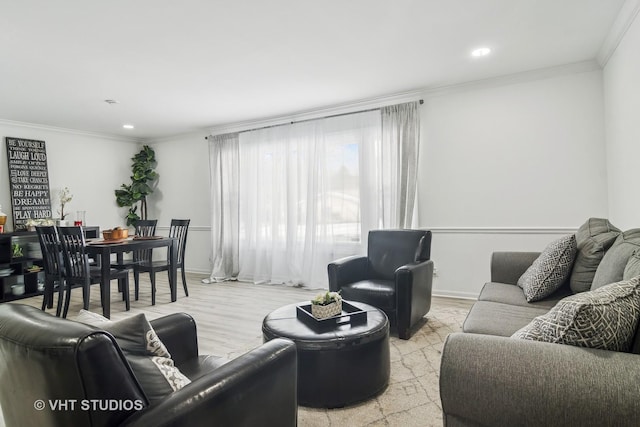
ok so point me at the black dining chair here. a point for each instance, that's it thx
(178, 230)
(53, 266)
(78, 272)
(143, 228)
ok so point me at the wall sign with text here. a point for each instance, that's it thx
(28, 180)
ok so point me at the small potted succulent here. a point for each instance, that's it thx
(326, 304)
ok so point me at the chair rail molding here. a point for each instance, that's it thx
(191, 227)
(501, 230)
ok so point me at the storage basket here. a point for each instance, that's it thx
(329, 310)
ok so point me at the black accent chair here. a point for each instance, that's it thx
(49, 358)
(396, 276)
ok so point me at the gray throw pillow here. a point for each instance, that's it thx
(605, 318)
(593, 239)
(632, 268)
(147, 355)
(550, 270)
(611, 268)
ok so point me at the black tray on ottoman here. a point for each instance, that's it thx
(350, 314)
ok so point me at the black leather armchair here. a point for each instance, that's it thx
(46, 358)
(395, 276)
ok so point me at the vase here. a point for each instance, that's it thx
(328, 310)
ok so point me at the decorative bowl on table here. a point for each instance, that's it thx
(115, 234)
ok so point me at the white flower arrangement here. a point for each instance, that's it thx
(65, 197)
(326, 298)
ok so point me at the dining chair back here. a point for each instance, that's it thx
(53, 266)
(76, 264)
(144, 228)
(178, 230)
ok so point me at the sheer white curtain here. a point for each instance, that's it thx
(223, 166)
(398, 164)
(287, 200)
(300, 197)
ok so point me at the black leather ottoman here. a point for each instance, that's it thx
(340, 366)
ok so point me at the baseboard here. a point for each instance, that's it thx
(455, 294)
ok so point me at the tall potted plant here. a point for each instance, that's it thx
(143, 180)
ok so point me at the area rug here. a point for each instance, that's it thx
(412, 397)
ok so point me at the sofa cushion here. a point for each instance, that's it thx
(513, 295)
(632, 269)
(604, 318)
(550, 270)
(494, 318)
(593, 239)
(611, 268)
(147, 355)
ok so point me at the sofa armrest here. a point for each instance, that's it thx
(413, 294)
(178, 333)
(507, 267)
(490, 381)
(346, 270)
(257, 388)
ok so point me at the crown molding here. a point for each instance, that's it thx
(196, 134)
(71, 131)
(414, 95)
(360, 105)
(623, 21)
(521, 77)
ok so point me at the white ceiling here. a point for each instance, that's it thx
(178, 66)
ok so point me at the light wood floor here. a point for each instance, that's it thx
(228, 315)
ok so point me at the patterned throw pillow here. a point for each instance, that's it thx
(147, 355)
(593, 238)
(550, 270)
(605, 318)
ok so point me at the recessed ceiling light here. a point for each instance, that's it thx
(482, 51)
(127, 126)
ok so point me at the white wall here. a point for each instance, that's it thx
(508, 167)
(622, 109)
(504, 166)
(183, 193)
(91, 166)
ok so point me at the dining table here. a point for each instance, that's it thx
(102, 250)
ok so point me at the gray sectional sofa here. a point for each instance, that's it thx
(489, 378)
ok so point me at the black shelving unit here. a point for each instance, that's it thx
(21, 265)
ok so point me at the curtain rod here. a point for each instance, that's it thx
(421, 101)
